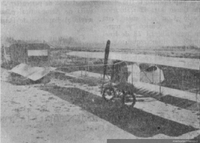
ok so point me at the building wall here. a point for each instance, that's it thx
(35, 57)
(18, 54)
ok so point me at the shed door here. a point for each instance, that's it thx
(37, 52)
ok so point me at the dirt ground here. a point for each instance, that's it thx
(53, 113)
(30, 115)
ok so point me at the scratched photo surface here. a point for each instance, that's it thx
(100, 71)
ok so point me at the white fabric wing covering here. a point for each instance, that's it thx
(155, 76)
(134, 73)
(33, 73)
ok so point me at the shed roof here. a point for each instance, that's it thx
(32, 46)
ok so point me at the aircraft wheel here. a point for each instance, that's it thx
(108, 93)
(128, 99)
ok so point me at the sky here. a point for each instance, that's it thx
(134, 23)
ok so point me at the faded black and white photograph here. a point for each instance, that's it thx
(100, 71)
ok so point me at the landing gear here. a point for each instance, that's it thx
(127, 97)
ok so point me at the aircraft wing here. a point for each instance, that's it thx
(186, 63)
(33, 73)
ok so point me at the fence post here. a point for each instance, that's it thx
(132, 73)
(181, 79)
(198, 91)
(85, 67)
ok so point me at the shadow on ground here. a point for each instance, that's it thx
(134, 121)
(169, 99)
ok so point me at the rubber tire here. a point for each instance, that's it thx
(104, 91)
(124, 97)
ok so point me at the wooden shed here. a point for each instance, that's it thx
(35, 54)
